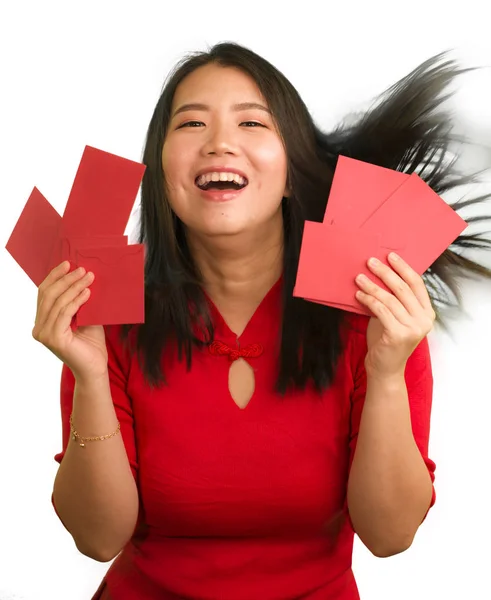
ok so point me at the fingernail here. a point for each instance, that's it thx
(373, 262)
(393, 256)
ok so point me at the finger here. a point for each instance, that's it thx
(55, 274)
(379, 310)
(47, 319)
(67, 297)
(399, 287)
(386, 298)
(412, 279)
(49, 294)
(66, 314)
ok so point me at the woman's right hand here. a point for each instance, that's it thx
(60, 296)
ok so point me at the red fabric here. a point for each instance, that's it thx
(218, 348)
(238, 504)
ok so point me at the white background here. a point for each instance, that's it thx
(77, 73)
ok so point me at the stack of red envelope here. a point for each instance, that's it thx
(91, 235)
(371, 211)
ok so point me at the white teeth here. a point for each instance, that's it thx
(220, 176)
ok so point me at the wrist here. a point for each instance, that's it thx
(389, 381)
(92, 383)
(385, 390)
(393, 375)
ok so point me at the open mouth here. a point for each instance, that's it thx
(221, 181)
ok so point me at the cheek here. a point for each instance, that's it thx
(168, 165)
(175, 164)
(171, 170)
(271, 159)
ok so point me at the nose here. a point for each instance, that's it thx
(220, 141)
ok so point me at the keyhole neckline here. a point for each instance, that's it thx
(259, 323)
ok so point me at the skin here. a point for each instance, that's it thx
(238, 247)
(389, 487)
(224, 135)
(236, 244)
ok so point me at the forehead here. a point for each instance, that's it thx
(216, 84)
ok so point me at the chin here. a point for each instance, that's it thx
(228, 231)
(216, 226)
(217, 229)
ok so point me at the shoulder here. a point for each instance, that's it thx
(355, 324)
(120, 348)
(354, 333)
(113, 334)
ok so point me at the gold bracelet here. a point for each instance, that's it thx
(97, 438)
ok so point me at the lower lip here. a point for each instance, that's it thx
(220, 195)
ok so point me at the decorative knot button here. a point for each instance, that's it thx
(218, 348)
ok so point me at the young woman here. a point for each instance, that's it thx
(230, 447)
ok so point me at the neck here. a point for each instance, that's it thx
(239, 269)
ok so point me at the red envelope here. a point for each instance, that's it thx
(31, 241)
(66, 248)
(374, 210)
(357, 191)
(117, 293)
(330, 258)
(419, 220)
(102, 195)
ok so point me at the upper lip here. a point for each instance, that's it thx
(218, 169)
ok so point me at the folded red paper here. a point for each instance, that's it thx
(330, 258)
(370, 212)
(102, 195)
(416, 218)
(357, 191)
(66, 248)
(33, 236)
(95, 219)
(117, 293)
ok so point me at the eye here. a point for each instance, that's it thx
(191, 124)
(252, 124)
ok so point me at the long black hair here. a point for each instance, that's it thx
(407, 129)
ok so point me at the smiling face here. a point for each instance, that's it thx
(224, 162)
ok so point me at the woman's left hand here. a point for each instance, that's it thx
(401, 320)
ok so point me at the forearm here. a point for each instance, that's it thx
(389, 487)
(95, 492)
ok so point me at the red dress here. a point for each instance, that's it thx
(242, 504)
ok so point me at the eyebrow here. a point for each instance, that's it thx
(235, 107)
